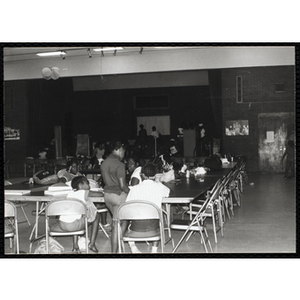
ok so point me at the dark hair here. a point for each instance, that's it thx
(134, 157)
(153, 128)
(115, 145)
(149, 170)
(70, 163)
(78, 180)
(99, 145)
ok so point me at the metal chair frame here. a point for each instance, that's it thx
(139, 210)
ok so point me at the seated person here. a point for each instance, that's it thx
(148, 190)
(70, 172)
(81, 191)
(98, 155)
(134, 169)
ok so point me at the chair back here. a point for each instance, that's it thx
(138, 210)
(66, 207)
(10, 210)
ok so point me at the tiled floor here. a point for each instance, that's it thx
(265, 223)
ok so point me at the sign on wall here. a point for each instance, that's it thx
(11, 133)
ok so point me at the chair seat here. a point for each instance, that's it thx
(184, 224)
(9, 231)
(142, 234)
(55, 230)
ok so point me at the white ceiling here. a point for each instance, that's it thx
(29, 53)
(23, 63)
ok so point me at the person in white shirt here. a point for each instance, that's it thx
(81, 191)
(134, 169)
(148, 190)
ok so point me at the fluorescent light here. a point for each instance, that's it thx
(108, 49)
(55, 53)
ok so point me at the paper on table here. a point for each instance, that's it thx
(57, 193)
(16, 192)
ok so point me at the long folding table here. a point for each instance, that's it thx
(182, 191)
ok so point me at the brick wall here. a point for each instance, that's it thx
(259, 96)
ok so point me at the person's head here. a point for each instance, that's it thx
(99, 149)
(118, 148)
(148, 171)
(80, 183)
(153, 128)
(132, 163)
(142, 126)
(73, 166)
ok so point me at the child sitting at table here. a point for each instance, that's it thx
(134, 169)
(81, 191)
(148, 190)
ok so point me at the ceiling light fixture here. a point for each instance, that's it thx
(55, 53)
(108, 49)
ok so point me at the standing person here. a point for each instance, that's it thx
(142, 137)
(115, 188)
(148, 190)
(289, 153)
(99, 154)
(155, 133)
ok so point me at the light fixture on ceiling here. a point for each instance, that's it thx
(54, 53)
(108, 49)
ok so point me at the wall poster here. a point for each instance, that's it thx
(11, 133)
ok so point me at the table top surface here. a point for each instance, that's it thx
(182, 190)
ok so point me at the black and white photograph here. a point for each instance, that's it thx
(121, 180)
(101, 169)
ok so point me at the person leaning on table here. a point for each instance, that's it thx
(70, 172)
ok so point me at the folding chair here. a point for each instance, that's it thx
(19, 204)
(139, 210)
(66, 207)
(197, 224)
(11, 226)
(214, 210)
(101, 211)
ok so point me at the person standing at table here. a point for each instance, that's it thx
(147, 190)
(99, 155)
(115, 186)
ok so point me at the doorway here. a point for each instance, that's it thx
(274, 131)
